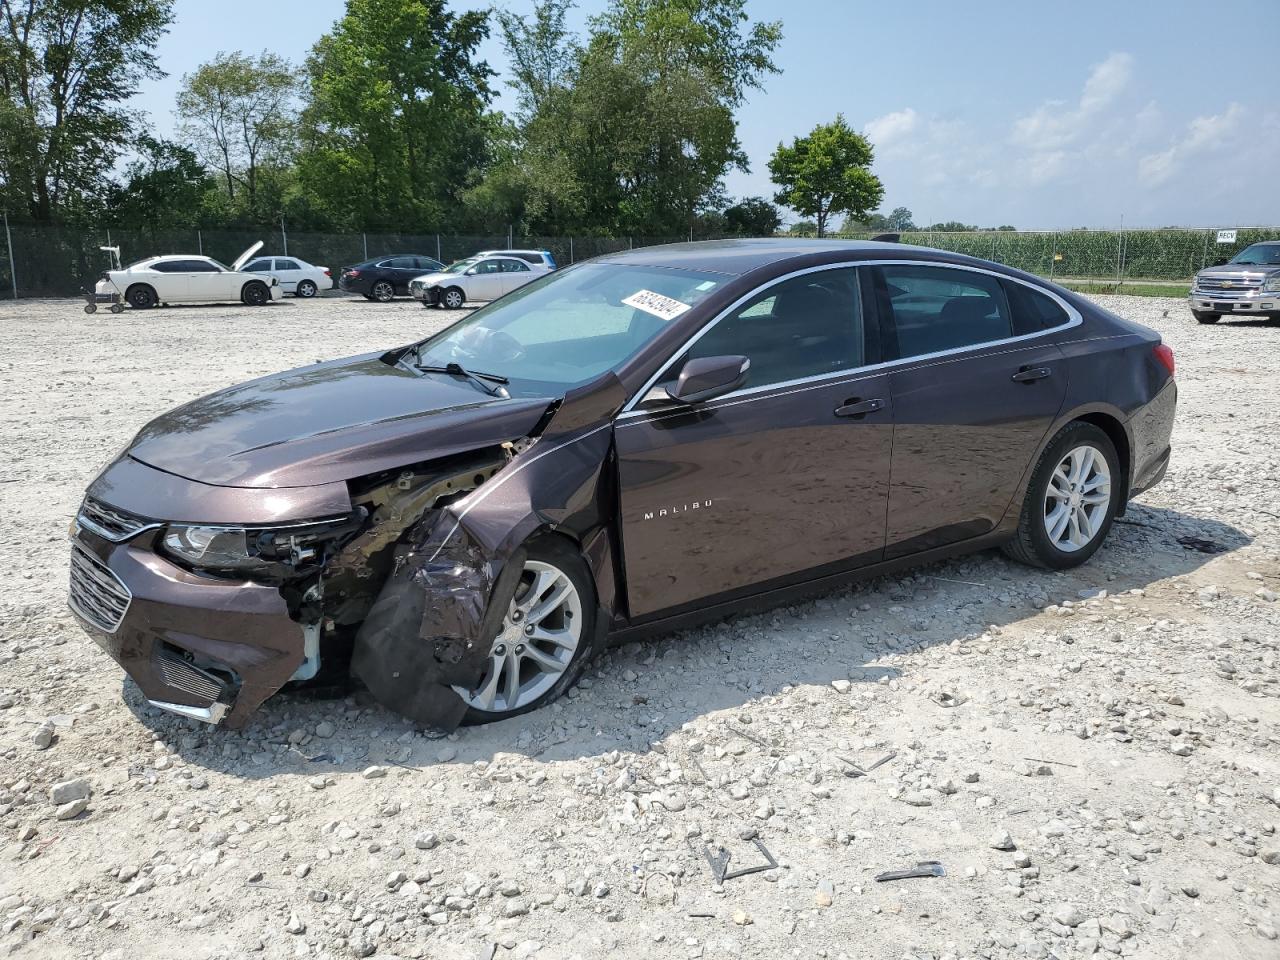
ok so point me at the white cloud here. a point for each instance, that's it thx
(1202, 134)
(1055, 124)
(883, 131)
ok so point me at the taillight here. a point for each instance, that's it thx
(353, 273)
(327, 273)
(1164, 354)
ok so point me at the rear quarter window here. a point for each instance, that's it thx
(1033, 311)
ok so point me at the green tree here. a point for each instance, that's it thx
(394, 126)
(67, 70)
(752, 217)
(165, 186)
(240, 111)
(633, 130)
(541, 50)
(951, 226)
(803, 228)
(827, 172)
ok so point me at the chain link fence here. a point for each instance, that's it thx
(56, 261)
(59, 261)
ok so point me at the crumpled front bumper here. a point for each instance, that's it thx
(209, 649)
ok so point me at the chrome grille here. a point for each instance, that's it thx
(187, 677)
(108, 522)
(1229, 284)
(95, 592)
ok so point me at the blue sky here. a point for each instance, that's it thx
(1039, 115)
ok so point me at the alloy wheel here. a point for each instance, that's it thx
(307, 289)
(1077, 498)
(383, 291)
(453, 299)
(535, 644)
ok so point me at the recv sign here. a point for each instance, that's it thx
(1226, 236)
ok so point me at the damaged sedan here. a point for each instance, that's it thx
(630, 445)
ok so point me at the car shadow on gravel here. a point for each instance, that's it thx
(642, 693)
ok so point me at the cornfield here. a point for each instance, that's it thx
(1096, 254)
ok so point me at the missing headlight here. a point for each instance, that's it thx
(270, 552)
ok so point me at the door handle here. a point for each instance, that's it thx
(857, 407)
(1031, 374)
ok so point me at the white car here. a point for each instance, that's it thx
(535, 258)
(296, 276)
(186, 279)
(475, 278)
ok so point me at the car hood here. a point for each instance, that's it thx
(244, 257)
(1239, 271)
(438, 277)
(329, 422)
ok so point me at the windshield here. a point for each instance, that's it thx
(1259, 253)
(569, 327)
(460, 266)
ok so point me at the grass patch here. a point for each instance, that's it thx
(1130, 289)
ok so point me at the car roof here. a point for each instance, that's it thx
(738, 257)
(496, 253)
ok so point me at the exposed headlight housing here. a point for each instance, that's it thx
(1272, 283)
(255, 551)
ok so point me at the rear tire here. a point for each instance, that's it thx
(1054, 486)
(383, 291)
(1203, 316)
(306, 289)
(140, 296)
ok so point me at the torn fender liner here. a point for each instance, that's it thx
(425, 633)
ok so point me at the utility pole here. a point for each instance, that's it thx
(1120, 251)
(8, 242)
(284, 237)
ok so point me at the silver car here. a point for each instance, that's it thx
(475, 278)
(1247, 285)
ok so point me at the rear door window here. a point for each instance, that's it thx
(932, 309)
(513, 266)
(287, 265)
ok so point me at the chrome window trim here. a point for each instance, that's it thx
(630, 412)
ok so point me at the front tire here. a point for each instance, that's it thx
(383, 291)
(255, 293)
(452, 299)
(1071, 500)
(545, 637)
(306, 289)
(1203, 316)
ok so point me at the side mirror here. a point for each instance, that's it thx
(471, 272)
(1221, 262)
(706, 378)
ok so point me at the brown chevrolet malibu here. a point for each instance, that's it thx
(634, 443)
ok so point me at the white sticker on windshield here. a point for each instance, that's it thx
(656, 304)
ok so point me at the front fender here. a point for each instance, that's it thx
(431, 626)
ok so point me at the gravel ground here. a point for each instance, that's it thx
(1093, 756)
